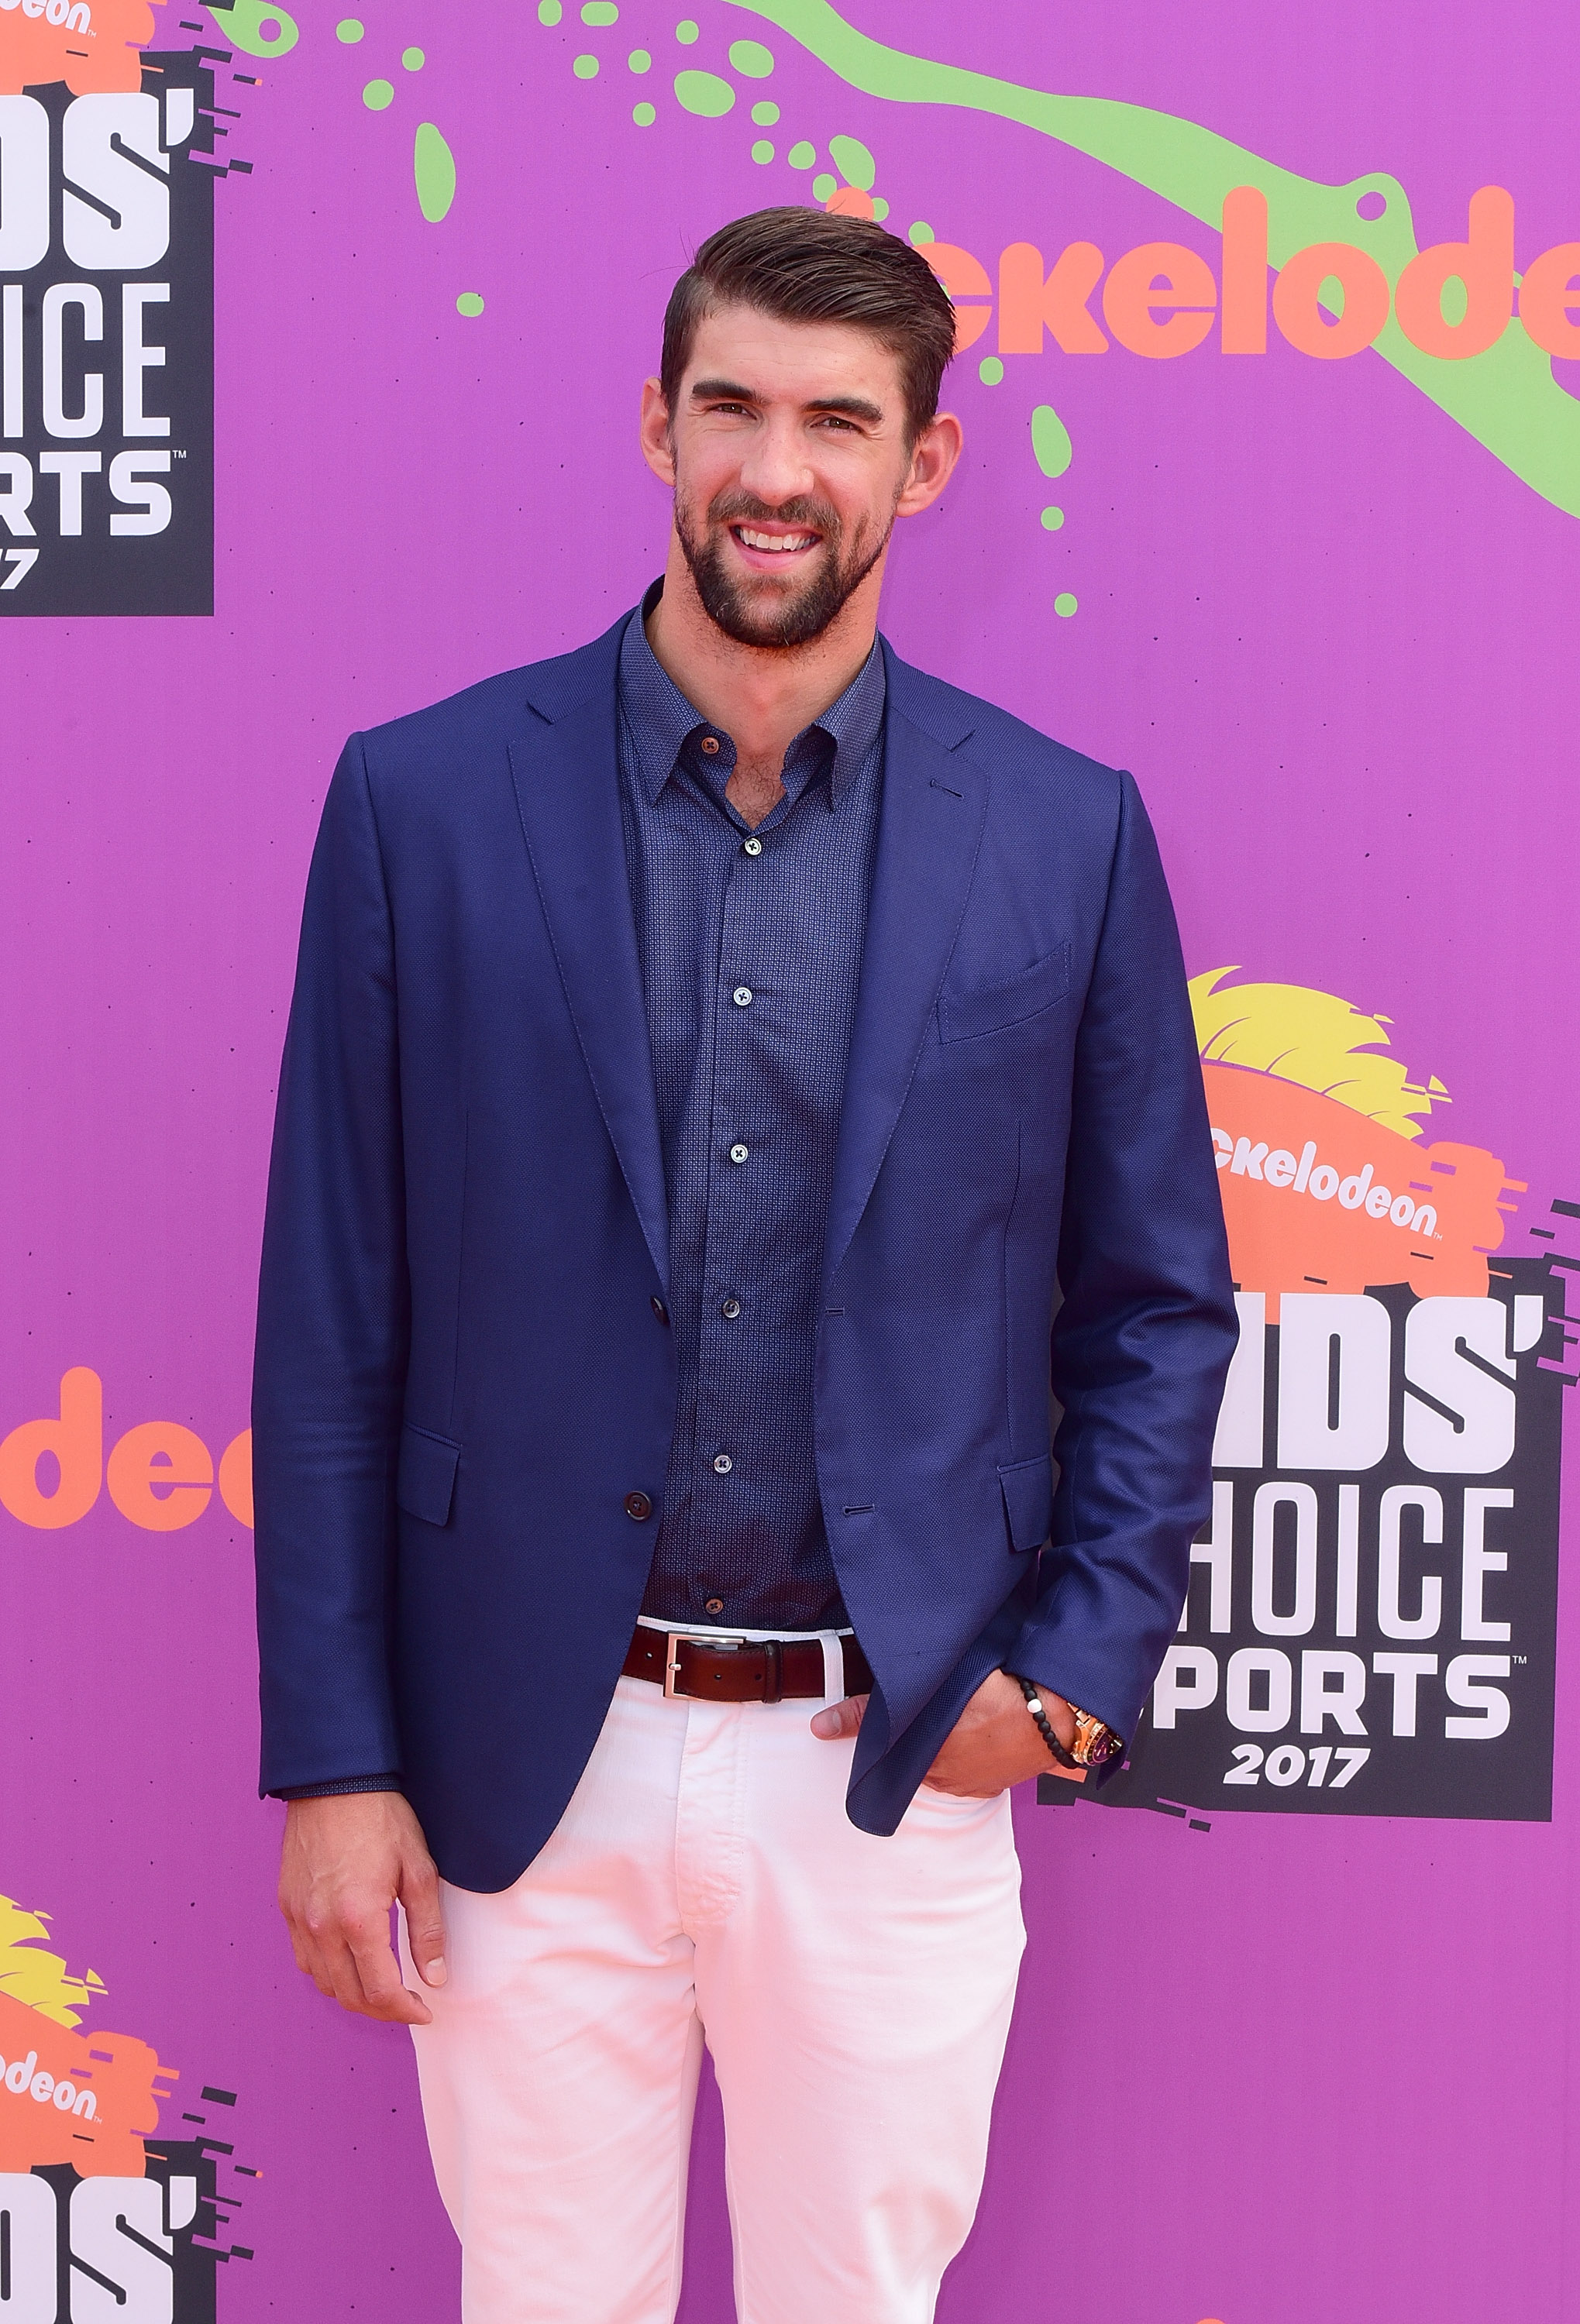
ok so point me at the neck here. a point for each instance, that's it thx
(761, 697)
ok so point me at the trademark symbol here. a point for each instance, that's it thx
(1517, 1660)
(177, 456)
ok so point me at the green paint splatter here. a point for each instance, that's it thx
(685, 31)
(377, 95)
(599, 12)
(350, 30)
(469, 303)
(750, 58)
(585, 68)
(851, 157)
(920, 234)
(433, 166)
(1050, 441)
(801, 156)
(1065, 604)
(765, 113)
(549, 12)
(242, 24)
(640, 60)
(990, 371)
(1052, 519)
(644, 115)
(880, 209)
(705, 93)
(824, 187)
(413, 59)
(1506, 398)
(762, 151)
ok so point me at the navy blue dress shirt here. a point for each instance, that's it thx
(750, 941)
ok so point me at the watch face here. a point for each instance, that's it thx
(1096, 1744)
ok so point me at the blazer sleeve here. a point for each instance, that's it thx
(1146, 1326)
(333, 1326)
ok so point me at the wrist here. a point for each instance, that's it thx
(1075, 1738)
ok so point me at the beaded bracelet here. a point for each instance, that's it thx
(1044, 1725)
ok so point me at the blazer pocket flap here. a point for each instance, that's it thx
(989, 1010)
(1028, 1488)
(425, 1475)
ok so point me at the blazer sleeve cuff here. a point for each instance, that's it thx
(346, 1784)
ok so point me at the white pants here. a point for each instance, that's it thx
(856, 1995)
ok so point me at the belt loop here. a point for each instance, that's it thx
(833, 1667)
(772, 1671)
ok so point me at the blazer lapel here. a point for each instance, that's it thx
(929, 829)
(568, 789)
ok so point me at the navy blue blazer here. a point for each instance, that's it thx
(460, 1375)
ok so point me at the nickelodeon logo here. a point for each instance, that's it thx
(160, 1475)
(1329, 301)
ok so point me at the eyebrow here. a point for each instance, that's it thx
(729, 390)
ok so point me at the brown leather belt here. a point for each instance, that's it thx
(723, 1670)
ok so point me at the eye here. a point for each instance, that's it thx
(833, 419)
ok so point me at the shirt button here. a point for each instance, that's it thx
(730, 1310)
(714, 1606)
(711, 743)
(739, 1153)
(722, 1463)
(751, 846)
(638, 1506)
(742, 996)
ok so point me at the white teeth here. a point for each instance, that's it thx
(762, 540)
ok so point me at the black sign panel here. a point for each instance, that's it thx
(1371, 1627)
(107, 347)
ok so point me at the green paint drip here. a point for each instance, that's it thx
(880, 209)
(413, 59)
(1050, 441)
(433, 166)
(762, 151)
(801, 155)
(349, 30)
(852, 158)
(990, 371)
(549, 12)
(1506, 398)
(687, 31)
(765, 113)
(600, 11)
(1065, 605)
(705, 93)
(920, 234)
(640, 60)
(469, 303)
(240, 25)
(585, 68)
(1052, 519)
(824, 187)
(377, 95)
(751, 59)
(644, 115)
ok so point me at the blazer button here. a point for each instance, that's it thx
(659, 1308)
(638, 1506)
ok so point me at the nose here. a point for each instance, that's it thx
(776, 469)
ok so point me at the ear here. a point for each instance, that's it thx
(657, 447)
(932, 463)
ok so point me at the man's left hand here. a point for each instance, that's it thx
(995, 1742)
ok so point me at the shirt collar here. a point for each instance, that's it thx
(661, 718)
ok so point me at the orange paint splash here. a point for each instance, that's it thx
(88, 2100)
(102, 57)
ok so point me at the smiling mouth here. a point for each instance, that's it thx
(772, 544)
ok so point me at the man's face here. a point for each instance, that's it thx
(790, 459)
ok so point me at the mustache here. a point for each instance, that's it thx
(745, 508)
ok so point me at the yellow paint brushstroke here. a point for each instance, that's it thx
(39, 1979)
(1312, 1038)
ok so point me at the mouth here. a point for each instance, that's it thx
(774, 548)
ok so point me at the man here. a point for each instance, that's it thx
(734, 1083)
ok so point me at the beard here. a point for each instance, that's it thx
(777, 616)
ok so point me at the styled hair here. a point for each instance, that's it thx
(808, 266)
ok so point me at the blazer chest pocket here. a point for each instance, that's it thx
(964, 1016)
(425, 1475)
(1027, 1490)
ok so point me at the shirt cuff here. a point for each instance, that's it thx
(338, 1789)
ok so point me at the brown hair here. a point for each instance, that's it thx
(806, 266)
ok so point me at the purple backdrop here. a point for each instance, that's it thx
(1290, 2071)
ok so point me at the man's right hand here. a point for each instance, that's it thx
(346, 1860)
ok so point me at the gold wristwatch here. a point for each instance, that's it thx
(1096, 1744)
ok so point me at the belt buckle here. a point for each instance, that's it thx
(679, 1638)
